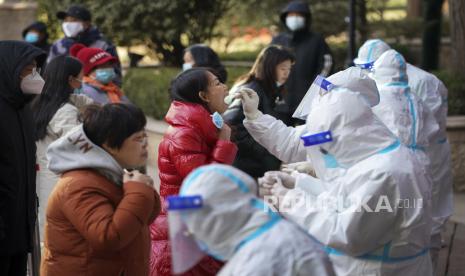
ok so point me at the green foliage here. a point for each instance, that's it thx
(240, 56)
(327, 16)
(162, 25)
(455, 83)
(148, 88)
(234, 72)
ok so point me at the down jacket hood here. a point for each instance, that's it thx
(76, 151)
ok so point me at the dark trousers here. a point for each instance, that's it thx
(15, 265)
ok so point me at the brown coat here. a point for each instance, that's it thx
(95, 227)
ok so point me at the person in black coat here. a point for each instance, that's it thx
(267, 77)
(37, 35)
(312, 54)
(200, 55)
(19, 79)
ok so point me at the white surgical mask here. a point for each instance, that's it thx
(32, 83)
(186, 66)
(295, 22)
(72, 29)
(279, 84)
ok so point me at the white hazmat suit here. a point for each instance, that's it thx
(235, 226)
(433, 95)
(359, 213)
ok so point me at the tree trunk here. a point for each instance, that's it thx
(363, 22)
(457, 31)
(432, 34)
(414, 8)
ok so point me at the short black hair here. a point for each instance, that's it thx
(112, 123)
(205, 56)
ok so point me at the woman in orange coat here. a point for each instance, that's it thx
(98, 214)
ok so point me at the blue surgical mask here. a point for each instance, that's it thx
(77, 90)
(32, 37)
(217, 120)
(105, 75)
(330, 161)
(186, 66)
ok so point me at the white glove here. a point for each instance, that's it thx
(279, 189)
(286, 179)
(272, 189)
(301, 167)
(250, 101)
(264, 186)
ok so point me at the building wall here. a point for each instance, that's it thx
(14, 17)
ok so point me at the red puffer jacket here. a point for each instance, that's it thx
(190, 142)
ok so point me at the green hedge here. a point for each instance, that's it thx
(148, 87)
(455, 83)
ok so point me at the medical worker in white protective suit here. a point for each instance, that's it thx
(433, 95)
(401, 110)
(233, 225)
(362, 168)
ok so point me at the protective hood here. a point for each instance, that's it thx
(14, 56)
(232, 214)
(353, 78)
(400, 109)
(75, 151)
(369, 52)
(297, 6)
(356, 132)
(390, 68)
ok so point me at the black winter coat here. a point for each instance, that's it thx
(251, 157)
(18, 200)
(309, 49)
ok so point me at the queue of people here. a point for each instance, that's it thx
(371, 138)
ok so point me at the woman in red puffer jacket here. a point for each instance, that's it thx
(196, 136)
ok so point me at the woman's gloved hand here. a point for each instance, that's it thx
(250, 102)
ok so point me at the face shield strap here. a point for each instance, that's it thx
(324, 84)
(316, 139)
(366, 66)
(185, 202)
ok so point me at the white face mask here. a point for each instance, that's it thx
(279, 84)
(295, 22)
(186, 66)
(72, 29)
(32, 83)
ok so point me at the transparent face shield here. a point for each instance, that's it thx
(319, 87)
(185, 252)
